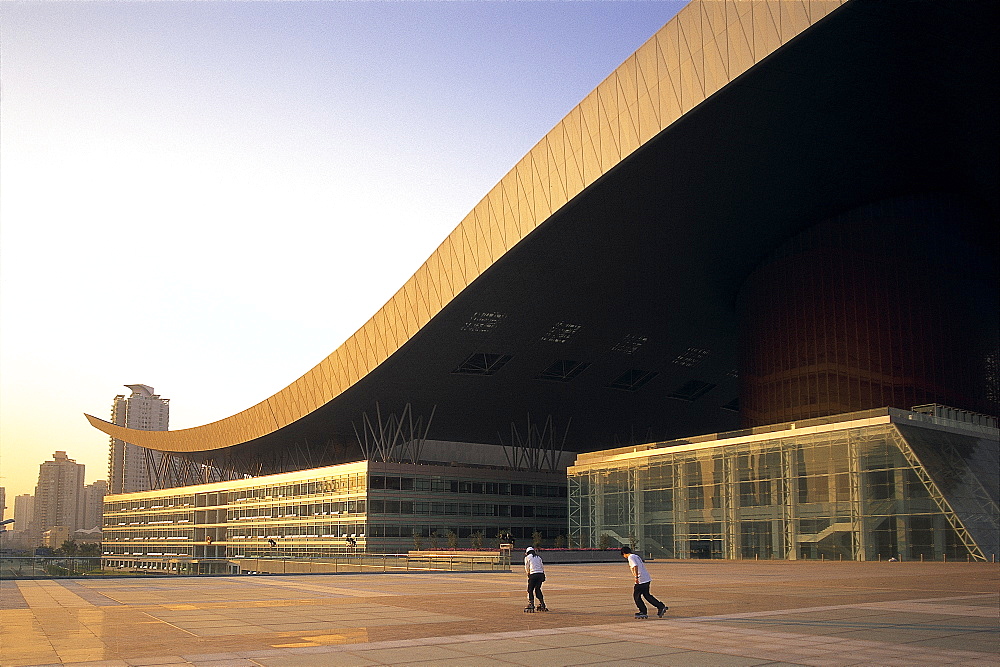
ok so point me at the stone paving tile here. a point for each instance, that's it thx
(408, 654)
(552, 657)
(590, 618)
(567, 639)
(155, 660)
(702, 659)
(461, 662)
(497, 646)
(317, 660)
(630, 651)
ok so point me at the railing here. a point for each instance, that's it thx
(376, 563)
(42, 567)
(36, 567)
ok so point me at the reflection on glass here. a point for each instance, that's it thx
(900, 488)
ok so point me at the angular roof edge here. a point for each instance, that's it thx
(704, 47)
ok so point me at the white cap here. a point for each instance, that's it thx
(529, 550)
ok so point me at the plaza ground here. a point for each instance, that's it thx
(721, 613)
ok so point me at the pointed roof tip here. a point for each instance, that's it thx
(94, 421)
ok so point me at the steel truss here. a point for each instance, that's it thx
(536, 451)
(394, 439)
(934, 492)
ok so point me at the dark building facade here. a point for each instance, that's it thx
(771, 212)
(884, 305)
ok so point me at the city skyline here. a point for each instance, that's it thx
(211, 156)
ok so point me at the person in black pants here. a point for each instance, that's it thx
(535, 570)
(641, 590)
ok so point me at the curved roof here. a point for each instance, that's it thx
(601, 272)
(703, 48)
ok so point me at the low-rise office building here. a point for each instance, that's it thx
(342, 509)
(864, 486)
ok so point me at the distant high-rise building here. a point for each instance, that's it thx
(59, 494)
(132, 468)
(93, 504)
(24, 511)
(3, 503)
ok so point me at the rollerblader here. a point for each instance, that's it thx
(641, 590)
(536, 575)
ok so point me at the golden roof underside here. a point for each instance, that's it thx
(708, 44)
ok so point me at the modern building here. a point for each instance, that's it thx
(869, 485)
(774, 211)
(24, 512)
(93, 504)
(342, 509)
(131, 467)
(54, 536)
(3, 503)
(59, 494)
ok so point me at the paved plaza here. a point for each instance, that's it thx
(721, 613)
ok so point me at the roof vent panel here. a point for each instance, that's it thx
(692, 390)
(482, 363)
(632, 379)
(563, 370)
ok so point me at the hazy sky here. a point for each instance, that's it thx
(209, 197)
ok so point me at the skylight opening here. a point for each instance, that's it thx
(563, 370)
(632, 379)
(692, 390)
(482, 363)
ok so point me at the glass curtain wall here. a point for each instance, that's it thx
(846, 493)
(350, 508)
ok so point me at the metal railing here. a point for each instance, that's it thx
(375, 563)
(43, 567)
(37, 567)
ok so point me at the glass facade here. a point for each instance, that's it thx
(861, 486)
(349, 508)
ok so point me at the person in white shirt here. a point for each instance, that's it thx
(641, 590)
(535, 570)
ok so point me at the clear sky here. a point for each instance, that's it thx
(210, 197)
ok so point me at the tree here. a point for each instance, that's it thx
(452, 539)
(604, 541)
(560, 541)
(418, 541)
(476, 539)
(536, 539)
(68, 548)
